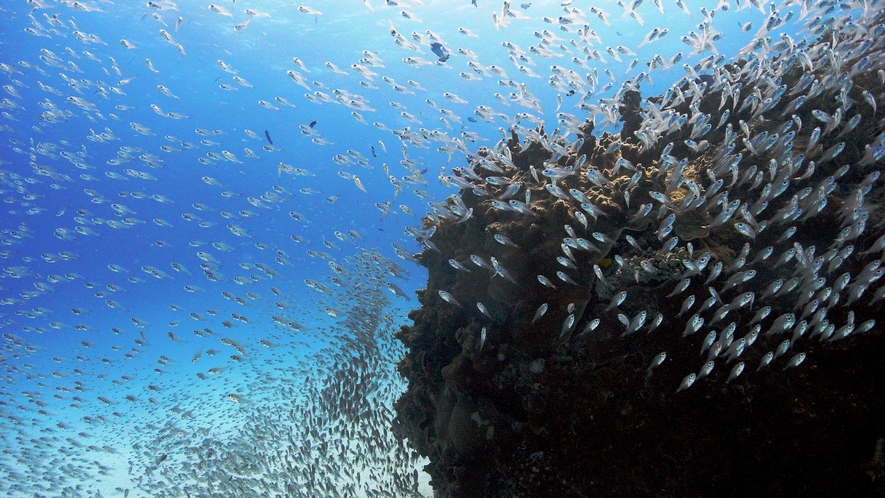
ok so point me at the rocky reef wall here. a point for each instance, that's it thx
(690, 307)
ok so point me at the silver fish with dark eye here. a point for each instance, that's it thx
(687, 304)
(735, 372)
(546, 282)
(656, 361)
(591, 326)
(795, 361)
(567, 326)
(566, 263)
(501, 239)
(448, 298)
(617, 300)
(458, 266)
(540, 312)
(482, 309)
(705, 369)
(565, 278)
(693, 325)
(687, 382)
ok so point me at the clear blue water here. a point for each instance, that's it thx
(75, 330)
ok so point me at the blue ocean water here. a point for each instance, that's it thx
(190, 235)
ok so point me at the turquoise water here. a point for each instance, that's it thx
(199, 252)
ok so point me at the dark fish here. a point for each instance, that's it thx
(440, 51)
(525, 5)
(312, 123)
(473, 2)
(471, 119)
(267, 134)
(373, 151)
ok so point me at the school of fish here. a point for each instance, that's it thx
(277, 376)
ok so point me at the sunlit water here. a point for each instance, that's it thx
(170, 191)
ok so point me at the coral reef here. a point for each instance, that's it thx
(686, 308)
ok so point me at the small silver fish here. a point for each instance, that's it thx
(714, 273)
(504, 240)
(706, 369)
(617, 300)
(693, 325)
(735, 372)
(761, 314)
(482, 309)
(656, 361)
(680, 287)
(566, 263)
(591, 326)
(567, 326)
(458, 266)
(687, 382)
(540, 312)
(655, 323)
(598, 271)
(795, 361)
(546, 282)
(478, 261)
(448, 298)
(708, 341)
(766, 359)
(687, 304)
(637, 322)
(500, 271)
(565, 278)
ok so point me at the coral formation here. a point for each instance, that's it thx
(685, 308)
